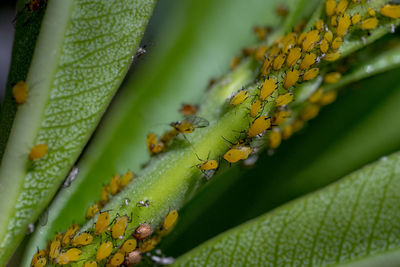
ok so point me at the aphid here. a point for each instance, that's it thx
(239, 97)
(301, 38)
(163, 260)
(41, 262)
(265, 67)
(119, 227)
(332, 77)
(149, 244)
(330, 7)
(288, 42)
(269, 86)
(125, 179)
(69, 234)
(311, 39)
(316, 96)
(189, 124)
(117, 259)
(142, 231)
(334, 21)
(101, 223)
(38, 255)
(355, 19)
(71, 255)
(260, 32)
(310, 112)
(319, 25)
(129, 245)
(310, 74)
(328, 36)
(332, 56)
(297, 125)
(287, 131)
(280, 116)
(166, 138)
(274, 51)
(114, 185)
(308, 60)
(20, 92)
(38, 152)
(259, 126)
(237, 153)
(371, 12)
(284, 99)
(391, 11)
(134, 257)
(92, 210)
(324, 46)
(82, 240)
(208, 165)
(369, 24)
(293, 56)
(328, 98)
(260, 52)
(278, 62)
(104, 195)
(343, 25)
(90, 264)
(255, 108)
(104, 250)
(281, 10)
(291, 78)
(235, 62)
(342, 6)
(71, 176)
(275, 138)
(55, 247)
(336, 43)
(153, 146)
(187, 109)
(248, 51)
(170, 220)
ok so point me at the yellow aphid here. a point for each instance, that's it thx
(355, 19)
(291, 78)
(260, 52)
(369, 24)
(92, 210)
(371, 12)
(90, 264)
(117, 259)
(69, 234)
(82, 240)
(308, 60)
(310, 112)
(330, 7)
(328, 36)
(337, 42)
(41, 262)
(38, 152)
(319, 25)
(20, 92)
(287, 131)
(288, 42)
(310, 74)
(255, 108)
(284, 99)
(328, 98)
(167, 137)
(149, 244)
(297, 125)
(332, 77)
(391, 11)
(275, 138)
(324, 46)
(125, 179)
(343, 25)
(341, 6)
(235, 62)
(239, 97)
(265, 67)
(118, 229)
(269, 86)
(316, 96)
(153, 146)
(334, 21)
(311, 39)
(114, 185)
(37, 256)
(55, 247)
(129, 245)
(301, 38)
(259, 126)
(332, 56)
(71, 255)
(280, 116)
(274, 51)
(293, 56)
(101, 223)
(278, 62)
(104, 194)
(104, 250)
(260, 32)
(237, 153)
(170, 220)
(208, 165)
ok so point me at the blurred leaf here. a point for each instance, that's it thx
(355, 221)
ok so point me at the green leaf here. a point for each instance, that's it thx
(83, 51)
(352, 221)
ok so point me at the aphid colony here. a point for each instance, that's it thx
(66, 248)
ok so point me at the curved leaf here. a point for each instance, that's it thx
(83, 51)
(351, 221)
